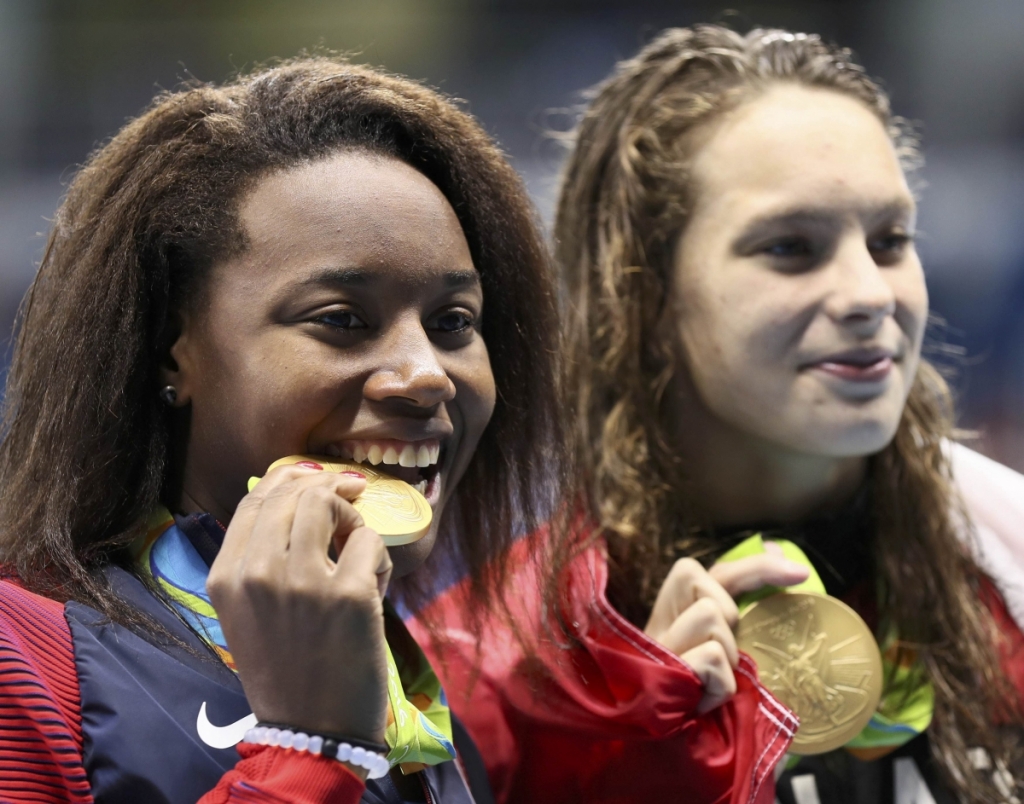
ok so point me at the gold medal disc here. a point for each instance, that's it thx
(819, 658)
(393, 508)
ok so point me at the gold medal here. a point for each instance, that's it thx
(819, 658)
(393, 508)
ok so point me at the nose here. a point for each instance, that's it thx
(408, 369)
(861, 295)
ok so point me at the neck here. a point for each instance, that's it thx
(191, 504)
(740, 478)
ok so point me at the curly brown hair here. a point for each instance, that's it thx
(88, 450)
(625, 198)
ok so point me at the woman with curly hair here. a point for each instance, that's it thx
(747, 312)
(317, 258)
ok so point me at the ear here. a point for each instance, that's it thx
(178, 366)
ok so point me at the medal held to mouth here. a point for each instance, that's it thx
(393, 508)
(819, 658)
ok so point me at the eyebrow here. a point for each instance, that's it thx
(357, 277)
(891, 209)
(337, 277)
(461, 279)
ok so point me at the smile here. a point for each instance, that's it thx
(415, 462)
(862, 366)
(875, 371)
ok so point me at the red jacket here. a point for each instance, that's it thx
(613, 718)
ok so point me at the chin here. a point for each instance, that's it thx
(840, 427)
(409, 557)
(857, 439)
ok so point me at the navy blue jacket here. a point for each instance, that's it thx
(140, 703)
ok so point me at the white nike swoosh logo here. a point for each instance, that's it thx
(222, 736)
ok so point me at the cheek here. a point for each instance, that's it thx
(290, 387)
(911, 295)
(478, 392)
(912, 318)
(734, 336)
(475, 396)
(270, 401)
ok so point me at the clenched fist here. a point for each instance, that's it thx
(694, 614)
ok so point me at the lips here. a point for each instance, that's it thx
(860, 365)
(871, 372)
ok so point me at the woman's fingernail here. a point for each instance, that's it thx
(352, 473)
(310, 465)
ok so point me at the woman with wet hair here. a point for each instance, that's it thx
(314, 259)
(747, 314)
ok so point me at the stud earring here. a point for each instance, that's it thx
(169, 395)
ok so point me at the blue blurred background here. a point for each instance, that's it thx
(71, 73)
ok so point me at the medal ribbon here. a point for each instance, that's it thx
(419, 726)
(908, 700)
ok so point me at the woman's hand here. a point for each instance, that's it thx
(694, 614)
(306, 632)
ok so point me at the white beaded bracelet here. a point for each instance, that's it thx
(376, 764)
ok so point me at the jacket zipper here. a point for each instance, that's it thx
(426, 790)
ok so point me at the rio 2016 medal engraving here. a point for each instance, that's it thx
(820, 659)
(393, 508)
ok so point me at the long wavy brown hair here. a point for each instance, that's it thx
(88, 450)
(624, 201)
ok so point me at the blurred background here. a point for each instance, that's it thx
(71, 73)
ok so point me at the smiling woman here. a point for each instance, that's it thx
(317, 259)
(798, 282)
(747, 310)
(367, 307)
(778, 389)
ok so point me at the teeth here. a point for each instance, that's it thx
(421, 487)
(408, 456)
